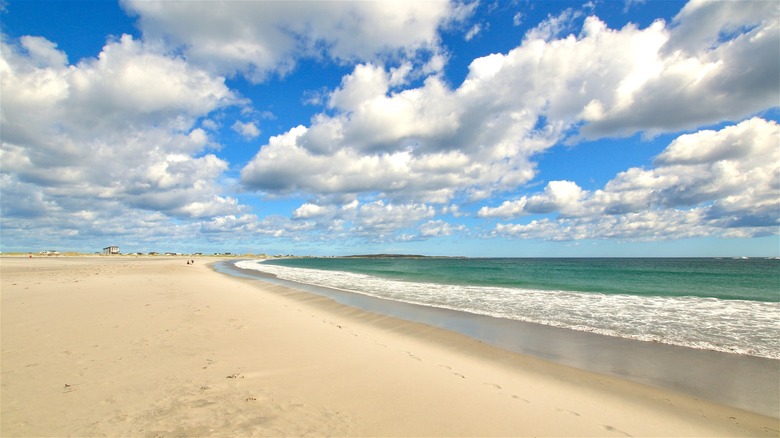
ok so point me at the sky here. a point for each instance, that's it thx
(470, 128)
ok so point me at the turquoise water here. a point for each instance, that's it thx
(734, 279)
(729, 305)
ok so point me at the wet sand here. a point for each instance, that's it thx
(745, 382)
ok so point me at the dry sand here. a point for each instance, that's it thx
(114, 346)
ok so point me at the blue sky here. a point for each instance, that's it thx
(510, 128)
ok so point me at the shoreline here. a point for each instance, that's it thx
(129, 347)
(742, 381)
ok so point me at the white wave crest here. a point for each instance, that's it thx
(734, 326)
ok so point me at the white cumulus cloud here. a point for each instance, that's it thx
(709, 183)
(248, 130)
(126, 141)
(262, 38)
(111, 137)
(435, 143)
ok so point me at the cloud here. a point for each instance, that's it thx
(474, 31)
(308, 211)
(726, 69)
(709, 183)
(110, 137)
(377, 220)
(629, 4)
(42, 52)
(640, 226)
(749, 140)
(438, 228)
(131, 133)
(558, 196)
(702, 25)
(257, 39)
(452, 209)
(246, 223)
(517, 19)
(365, 83)
(554, 26)
(694, 169)
(406, 145)
(434, 143)
(248, 130)
(399, 175)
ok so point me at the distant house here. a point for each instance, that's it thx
(110, 250)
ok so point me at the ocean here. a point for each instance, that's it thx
(724, 305)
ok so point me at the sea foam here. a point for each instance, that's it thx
(734, 326)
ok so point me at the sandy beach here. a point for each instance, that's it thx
(123, 346)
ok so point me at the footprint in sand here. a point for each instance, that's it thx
(453, 372)
(568, 412)
(612, 429)
(412, 355)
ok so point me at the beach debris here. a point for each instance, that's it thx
(234, 376)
